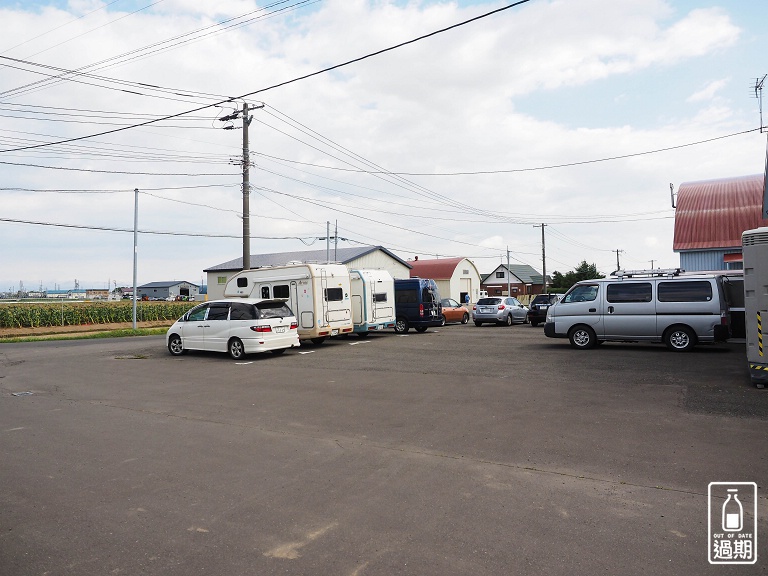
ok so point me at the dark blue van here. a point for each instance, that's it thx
(417, 304)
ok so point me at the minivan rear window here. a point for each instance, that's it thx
(684, 291)
(629, 292)
(273, 310)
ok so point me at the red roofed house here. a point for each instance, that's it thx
(709, 220)
(455, 277)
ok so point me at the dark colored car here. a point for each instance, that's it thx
(417, 305)
(537, 310)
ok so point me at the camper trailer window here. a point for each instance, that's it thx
(242, 282)
(697, 291)
(334, 294)
(380, 297)
(280, 291)
(629, 292)
(242, 312)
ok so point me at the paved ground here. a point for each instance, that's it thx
(463, 450)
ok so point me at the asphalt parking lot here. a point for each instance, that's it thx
(462, 450)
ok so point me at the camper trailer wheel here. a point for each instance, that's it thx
(363, 334)
(318, 341)
(465, 318)
(175, 346)
(582, 337)
(236, 349)
(680, 339)
(401, 326)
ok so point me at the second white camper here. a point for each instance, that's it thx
(373, 300)
(318, 294)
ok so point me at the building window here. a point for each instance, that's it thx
(221, 280)
(500, 275)
(465, 272)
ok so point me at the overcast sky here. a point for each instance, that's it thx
(457, 144)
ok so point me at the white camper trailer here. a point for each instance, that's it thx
(373, 300)
(318, 294)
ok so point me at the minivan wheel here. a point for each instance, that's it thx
(421, 328)
(236, 349)
(582, 337)
(175, 346)
(680, 339)
(401, 326)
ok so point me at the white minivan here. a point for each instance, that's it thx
(238, 326)
(667, 306)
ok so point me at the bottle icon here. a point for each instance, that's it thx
(733, 512)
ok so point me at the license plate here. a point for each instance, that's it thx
(334, 332)
(279, 329)
(485, 309)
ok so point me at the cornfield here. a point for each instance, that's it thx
(41, 314)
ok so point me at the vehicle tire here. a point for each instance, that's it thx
(465, 318)
(421, 328)
(509, 320)
(278, 351)
(363, 334)
(318, 341)
(534, 323)
(478, 324)
(680, 338)
(442, 320)
(175, 346)
(525, 320)
(236, 349)
(401, 326)
(582, 337)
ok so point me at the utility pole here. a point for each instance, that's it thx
(618, 265)
(246, 191)
(135, 250)
(543, 258)
(336, 241)
(652, 261)
(509, 279)
(246, 176)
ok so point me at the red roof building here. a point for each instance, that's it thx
(710, 217)
(456, 278)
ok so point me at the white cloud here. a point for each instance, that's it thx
(709, 91)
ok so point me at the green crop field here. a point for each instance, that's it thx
(41, 314)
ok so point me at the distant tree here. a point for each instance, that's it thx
(561, 282)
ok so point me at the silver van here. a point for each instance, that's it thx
(667, 306)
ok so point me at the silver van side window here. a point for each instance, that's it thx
(694, 291)
(629, 292)
(582, 293)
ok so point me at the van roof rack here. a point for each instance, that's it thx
(650, 272)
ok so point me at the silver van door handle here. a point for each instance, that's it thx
(610, 309)
(593, 309)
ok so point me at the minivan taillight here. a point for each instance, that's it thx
(421, 310)
(262, 328)
(294, 325)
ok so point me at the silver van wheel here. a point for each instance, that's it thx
(582, 337)
(236, 349)
(680, 339)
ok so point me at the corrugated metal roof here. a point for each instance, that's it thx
(714, 213)
(437, 269)
(523, 272)
(343, 255)
(166, 284)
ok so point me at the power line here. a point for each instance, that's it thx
(280, 84)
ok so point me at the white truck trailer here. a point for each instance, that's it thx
(755, 250)
(373, 300)
(318, 294)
